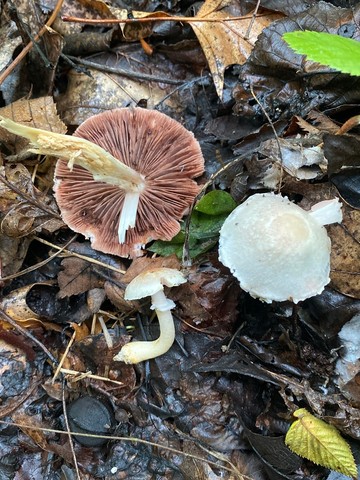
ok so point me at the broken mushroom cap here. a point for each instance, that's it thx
(151, 283)
(277, 250)
(162, 151)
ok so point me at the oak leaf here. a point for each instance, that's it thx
(226, 43)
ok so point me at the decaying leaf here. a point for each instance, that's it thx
(345, 253)
(39, 112)
(312, 438)
(77, 276)
(126, 80)
(227, 42)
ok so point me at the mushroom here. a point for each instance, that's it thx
(126, 178)
(151, 283)
(277, 250)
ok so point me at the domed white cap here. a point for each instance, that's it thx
(276, 250)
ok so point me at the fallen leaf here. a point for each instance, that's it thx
(345, 253)
(312, 438)
(227, 43)
(39, 112)
(77, 276)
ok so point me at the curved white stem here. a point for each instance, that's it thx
(136, 352)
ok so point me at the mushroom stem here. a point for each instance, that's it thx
(327, 212)
(136, 352)
(128, 214)
(103, 166)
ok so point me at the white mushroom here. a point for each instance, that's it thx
(277, 250)
(151, 283)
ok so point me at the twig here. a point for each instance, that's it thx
(125, 73)
(78, 255)
(90, 21)
(134, 440)
(274, 131)
(82, 375)
(29, 46)
(40, 264)
(251, 24)
(62, 360)
(68, 431)
(29, 199)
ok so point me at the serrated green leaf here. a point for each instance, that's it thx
(316, 440)
(216, 202)
(337, 52)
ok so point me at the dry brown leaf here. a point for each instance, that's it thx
(21, 217)
(226, 43)
(77, 276)
(345, 254)
(39, 112)
(15, 305)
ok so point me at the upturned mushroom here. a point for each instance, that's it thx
(277, 250)
(151, 283)
(124, 178)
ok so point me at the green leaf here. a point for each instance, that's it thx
(312, 438)
(204, 226)
(216, 202)
(203, 235)
(337, 52)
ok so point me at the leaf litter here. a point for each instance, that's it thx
(219, 403)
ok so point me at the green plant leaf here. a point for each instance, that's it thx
(203, 235)
(312, 438)
(216, 202)
(337, 52)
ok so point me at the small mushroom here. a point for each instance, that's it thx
(277, 250)
(151, 283)
(124, 178)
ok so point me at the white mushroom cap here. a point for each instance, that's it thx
(276, 250)
(151, 281)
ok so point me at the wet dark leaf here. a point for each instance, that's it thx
(341, 151)
(274, 67)
(275, 454)
(348, 185)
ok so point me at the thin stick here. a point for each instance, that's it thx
(78, 255)
(29, 46)
(126, 73)
(62, 360)
(68, 431)
(28, 198)
(38, 265)
(82, 375)
(131, 439)
(90, 21)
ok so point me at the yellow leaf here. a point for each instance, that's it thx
(226, 43)
(312, 438)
